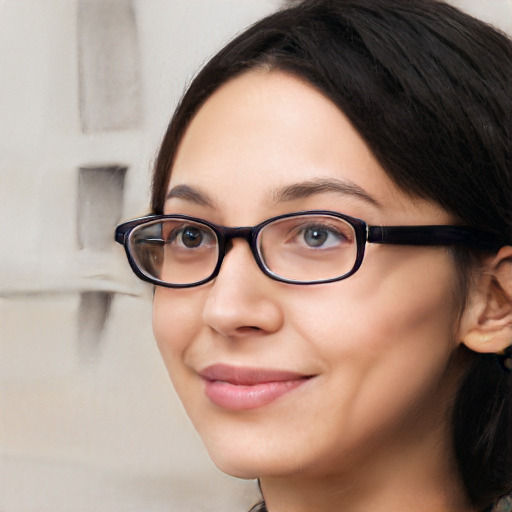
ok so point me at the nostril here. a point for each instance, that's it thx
(248, 329)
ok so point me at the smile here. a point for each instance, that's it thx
(238, 388)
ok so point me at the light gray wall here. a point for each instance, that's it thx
(88, 419)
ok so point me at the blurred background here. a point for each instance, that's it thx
(88, 420)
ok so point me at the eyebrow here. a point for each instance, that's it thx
(189, 194)
(320, 186)
(292, 192)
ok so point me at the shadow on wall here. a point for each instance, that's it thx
(92, 316)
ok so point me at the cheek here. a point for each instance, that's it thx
(397, 299)
(385, 335)
(176, 322)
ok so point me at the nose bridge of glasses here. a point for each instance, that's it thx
(228, 234)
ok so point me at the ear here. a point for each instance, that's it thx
(487, 321)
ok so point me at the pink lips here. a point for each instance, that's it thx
(237, 388)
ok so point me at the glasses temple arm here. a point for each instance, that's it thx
(433, 235)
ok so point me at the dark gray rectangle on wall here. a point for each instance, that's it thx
(109, 66)
(100, 203)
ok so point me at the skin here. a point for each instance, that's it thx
(370, 430)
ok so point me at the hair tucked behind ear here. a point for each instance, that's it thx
(429, 90)
(483, 430)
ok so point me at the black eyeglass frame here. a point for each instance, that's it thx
(429, 235)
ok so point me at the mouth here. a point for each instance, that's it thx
(237, 388)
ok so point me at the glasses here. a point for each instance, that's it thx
(310, 247)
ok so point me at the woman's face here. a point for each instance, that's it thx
(283, 379)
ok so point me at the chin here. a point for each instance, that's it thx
(252, 463)
(236, 466)
(237, 471)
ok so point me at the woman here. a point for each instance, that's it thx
(347, 364)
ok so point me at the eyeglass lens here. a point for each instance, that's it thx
(301, 248)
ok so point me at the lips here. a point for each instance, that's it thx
(237, 388)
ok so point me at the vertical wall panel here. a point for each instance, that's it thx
(108, 61)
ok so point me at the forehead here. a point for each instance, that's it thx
(267, 130)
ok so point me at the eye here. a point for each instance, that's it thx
(315, 236)
(320, 236)
(191, 237)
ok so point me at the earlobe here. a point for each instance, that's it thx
(487, 322)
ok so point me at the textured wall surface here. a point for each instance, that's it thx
(88, 420)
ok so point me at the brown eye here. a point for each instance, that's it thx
(191, 237)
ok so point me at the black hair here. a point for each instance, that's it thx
(428, 88)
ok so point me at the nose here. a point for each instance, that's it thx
(242, 301)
